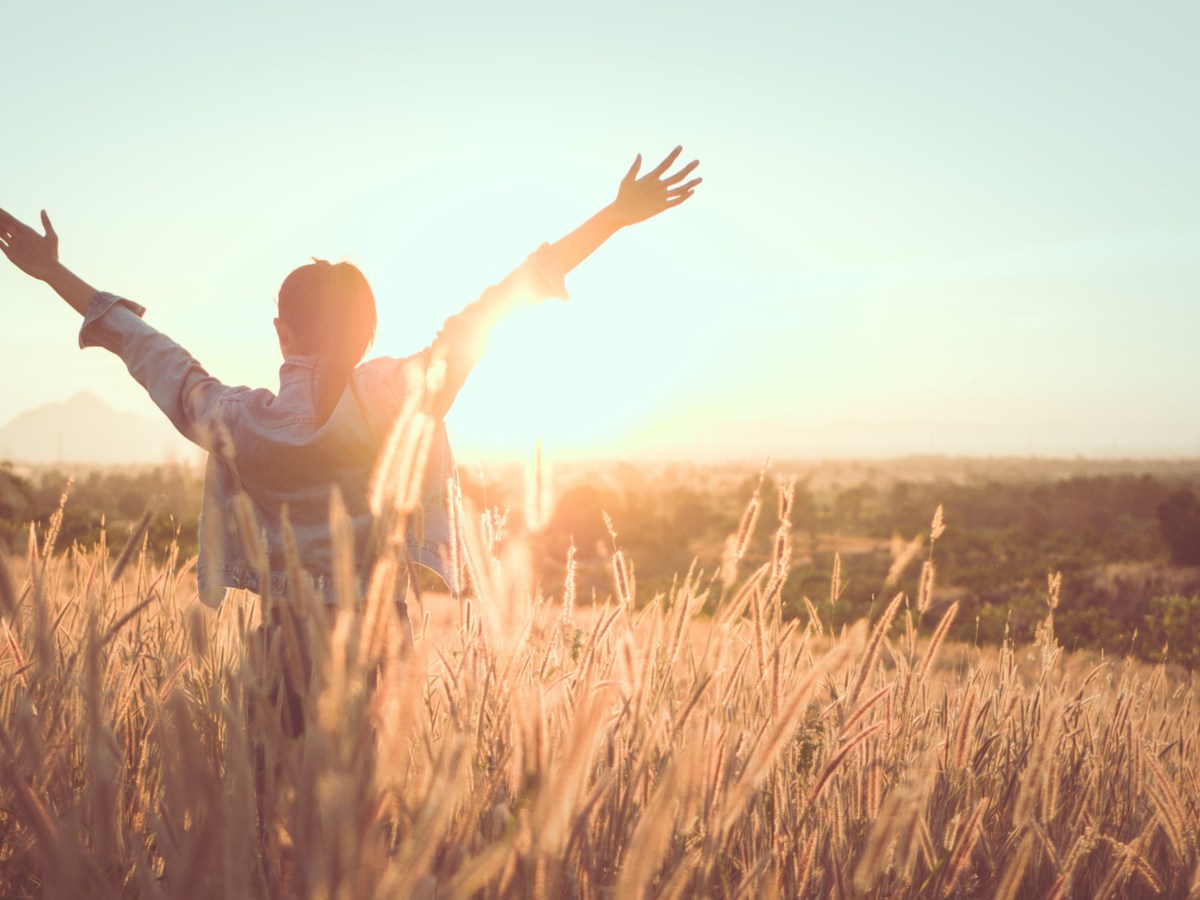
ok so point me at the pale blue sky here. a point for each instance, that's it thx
(958, 227)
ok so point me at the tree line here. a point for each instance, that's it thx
(1127, 544)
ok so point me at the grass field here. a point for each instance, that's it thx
(694, 744)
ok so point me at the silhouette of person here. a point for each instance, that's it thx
(291, 450)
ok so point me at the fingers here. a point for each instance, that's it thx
(684, 188)
(631, 175)
(676, 200)
(682, 173)
(50, 233)
(666, 163)
(11, 225)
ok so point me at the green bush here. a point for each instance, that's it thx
(1179, 522)
(1174, 626)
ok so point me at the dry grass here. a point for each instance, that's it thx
(523, 749)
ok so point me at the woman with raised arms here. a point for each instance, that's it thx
(288, 450)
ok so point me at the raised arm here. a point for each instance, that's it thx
(637, 199)
(460, 344)
(37, 256)
(178, 385)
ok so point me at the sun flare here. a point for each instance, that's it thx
(548, 379)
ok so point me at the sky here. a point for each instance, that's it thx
(924, 227)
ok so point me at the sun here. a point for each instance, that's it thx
(545, 378)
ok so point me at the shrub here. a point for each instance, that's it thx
(1179, 523)
(1174, 623)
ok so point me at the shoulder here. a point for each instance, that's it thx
(264, 408)
(389, 373)
(382, 386)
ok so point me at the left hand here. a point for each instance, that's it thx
(640, 198)
(34, 254)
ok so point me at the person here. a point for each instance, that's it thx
(288, 452)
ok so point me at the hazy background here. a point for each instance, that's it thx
(959, 228)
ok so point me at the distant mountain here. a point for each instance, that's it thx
(85, 429)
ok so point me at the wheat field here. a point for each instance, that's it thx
(698, 744)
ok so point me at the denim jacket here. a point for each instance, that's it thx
(273, 448)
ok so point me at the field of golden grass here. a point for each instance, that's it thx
(695, 744)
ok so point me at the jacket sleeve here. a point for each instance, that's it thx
(175, 381)
(463, 337)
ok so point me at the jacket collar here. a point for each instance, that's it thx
(296, 367)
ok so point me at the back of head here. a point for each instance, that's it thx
(329, 310)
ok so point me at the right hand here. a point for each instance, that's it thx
(640, 198)
(34, 254)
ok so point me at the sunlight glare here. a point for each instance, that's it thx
(546, 378)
